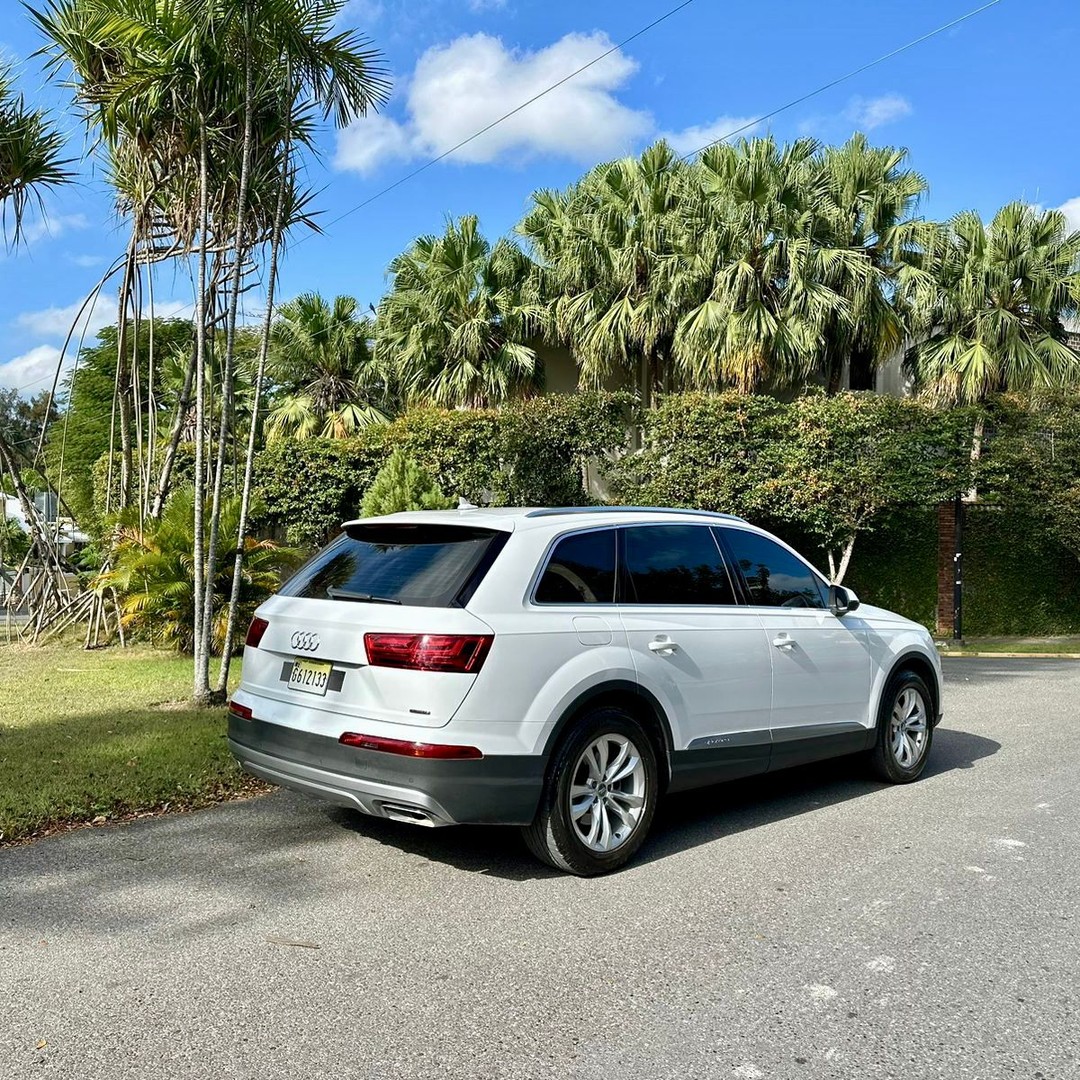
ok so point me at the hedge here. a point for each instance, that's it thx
(528, 454)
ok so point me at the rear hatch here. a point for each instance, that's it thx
(375, 625)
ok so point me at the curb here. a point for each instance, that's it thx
(1010, 655)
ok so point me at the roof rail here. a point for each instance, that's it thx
(558, 511)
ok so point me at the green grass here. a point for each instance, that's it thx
(104, 734)
(1055, 645)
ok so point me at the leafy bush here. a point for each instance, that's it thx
(530, 453)
(402, 485)
(829, 467)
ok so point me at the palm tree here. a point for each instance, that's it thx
(456, 323)
(869, 200)
(30, 157)
(153, 573)
(321, 358)
(758, 247)
(30, 164)
(607, 251)
(988, 305)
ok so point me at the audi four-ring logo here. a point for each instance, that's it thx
(305, 641)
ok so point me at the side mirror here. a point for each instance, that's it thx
(842, 601)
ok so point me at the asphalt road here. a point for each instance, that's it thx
(814, 924)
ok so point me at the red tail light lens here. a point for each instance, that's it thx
(255, 632)
(241, 711)
(463, 653)
(409, 749)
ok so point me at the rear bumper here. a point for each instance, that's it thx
(497, 790)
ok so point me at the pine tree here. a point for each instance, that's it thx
(402, 485)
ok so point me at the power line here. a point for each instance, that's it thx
(506, 116)
(842, 78)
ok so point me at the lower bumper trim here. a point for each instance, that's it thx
(496, 790)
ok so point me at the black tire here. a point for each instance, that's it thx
(553, 836)
(886, 761)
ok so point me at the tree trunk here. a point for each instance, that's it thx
(123, 377)
(175, 434)
(977, 436)
(836, 573)
(239, 255)
(249, 459)
(201, 683)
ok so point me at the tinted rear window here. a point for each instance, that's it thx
(675, 564)
(581, 570)
(417, 565)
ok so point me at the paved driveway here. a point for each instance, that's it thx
(814, 924)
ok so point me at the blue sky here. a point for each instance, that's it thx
(983, 110)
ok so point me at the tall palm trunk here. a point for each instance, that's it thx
(123, 375)
(201, 687)
(249, 458)
(239, 255)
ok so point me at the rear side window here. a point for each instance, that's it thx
(417, 565)
(675, 564)
(774, 577)
(581, 570)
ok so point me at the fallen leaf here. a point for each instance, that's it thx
(41, 1044)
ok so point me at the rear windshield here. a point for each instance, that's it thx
(418, 565)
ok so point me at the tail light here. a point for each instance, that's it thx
(464, 653)
(255, 632)
(409, 749)
(241, 711)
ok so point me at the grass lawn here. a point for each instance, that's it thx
(104, 735)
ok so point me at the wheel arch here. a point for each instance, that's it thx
(919, 663)
(626, 695)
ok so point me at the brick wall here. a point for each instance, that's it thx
(946, 567)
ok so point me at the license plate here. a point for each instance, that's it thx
(310, 676)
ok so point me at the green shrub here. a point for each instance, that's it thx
(402, 485)
(531, 453)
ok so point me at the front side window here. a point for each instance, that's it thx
(773, 575)
(581, 570)
(675, 564)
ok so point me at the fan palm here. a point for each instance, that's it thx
(869, 201)
(321, 357)
(766, 267)
(456, 323)
(988, 305)
(608, 249)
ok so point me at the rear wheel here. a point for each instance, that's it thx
(600, 796)
(905, 729)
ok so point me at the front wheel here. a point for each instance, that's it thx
(905, 729)
(599, 798)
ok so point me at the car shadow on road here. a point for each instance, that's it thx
(683, 822)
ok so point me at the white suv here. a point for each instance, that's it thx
(560, 669)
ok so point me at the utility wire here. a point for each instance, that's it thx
(842, 78)
(506, 116)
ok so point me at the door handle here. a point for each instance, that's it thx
(784, 641)
(663, 645)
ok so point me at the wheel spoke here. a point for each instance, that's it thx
(594, 826)
(624, 812)
(627, 768)
(628, 798)
(605, 826)
(616, 763)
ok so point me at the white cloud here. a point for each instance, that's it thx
(459, 88)
(53, 226)
(32, 370)
(55, 322)
(486, 5)
(870, 113)
(362, 11)
(1071, 210)
(86, 262)
(692, 139)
